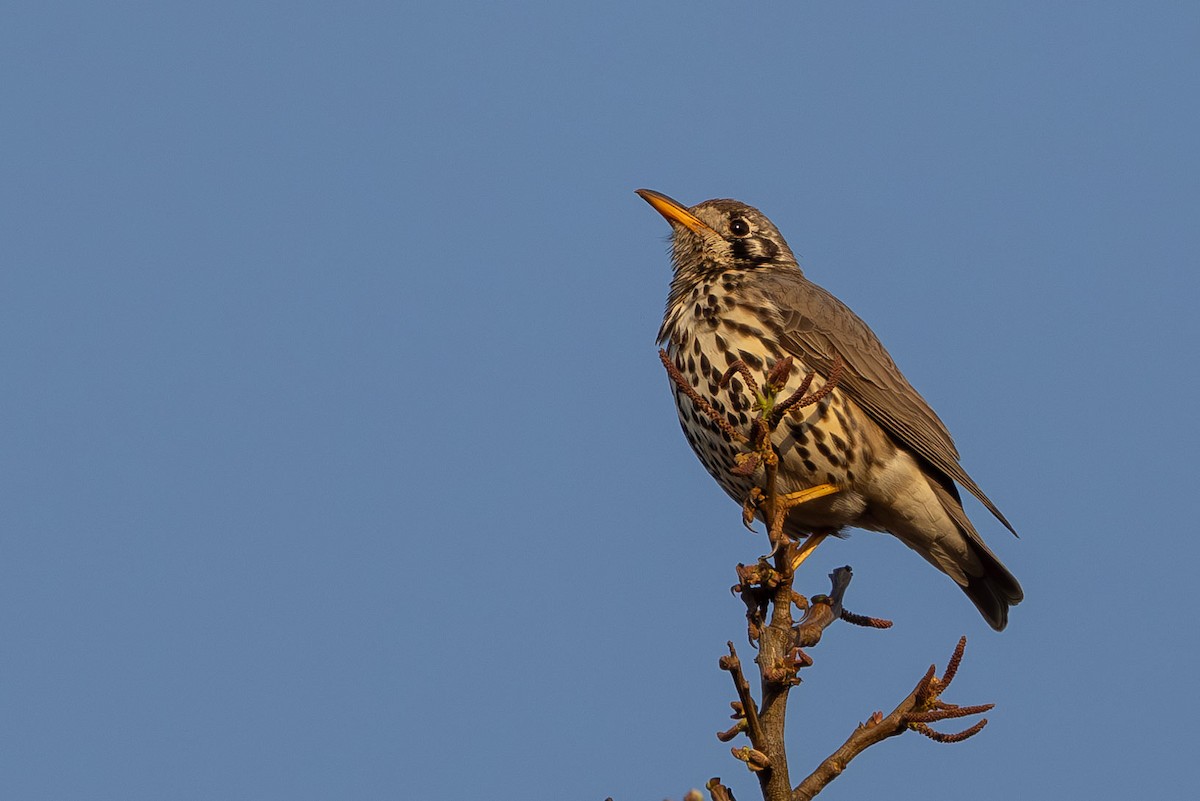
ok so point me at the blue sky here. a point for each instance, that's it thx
(338, 462)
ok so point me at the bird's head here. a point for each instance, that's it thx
(720, 235)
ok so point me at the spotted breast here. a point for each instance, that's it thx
(739, 294)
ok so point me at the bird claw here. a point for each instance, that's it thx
(750, 507)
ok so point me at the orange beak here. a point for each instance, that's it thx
(674, 211)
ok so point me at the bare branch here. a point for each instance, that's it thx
(749, 709)
(922, 706)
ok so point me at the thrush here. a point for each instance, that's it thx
(738, 293)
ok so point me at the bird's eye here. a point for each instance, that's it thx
(739, 227)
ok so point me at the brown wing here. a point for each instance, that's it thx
(817, 327)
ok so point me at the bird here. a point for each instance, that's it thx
(739, 294)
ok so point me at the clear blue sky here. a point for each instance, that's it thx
(337, 461)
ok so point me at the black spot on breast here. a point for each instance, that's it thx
(705, 366)
(752, 361)
(799, 433)
(745, 329)
(809, 466)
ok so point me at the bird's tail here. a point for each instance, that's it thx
(994, 590)
(982, 576)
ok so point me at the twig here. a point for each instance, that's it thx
(823, 609)
(718, 791)
(794, 399)
(740, 366)
(831, 382)
(942, 737)
(922, 706)
(749, 709)
(863, 620)
(698, 401)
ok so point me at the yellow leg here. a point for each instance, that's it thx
(810, 494)
(793, 499)
(785, 504)
(807, 548)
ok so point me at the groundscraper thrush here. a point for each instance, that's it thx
(739, 294)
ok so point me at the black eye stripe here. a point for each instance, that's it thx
(754, 249)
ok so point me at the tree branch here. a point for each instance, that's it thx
(922, 706)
